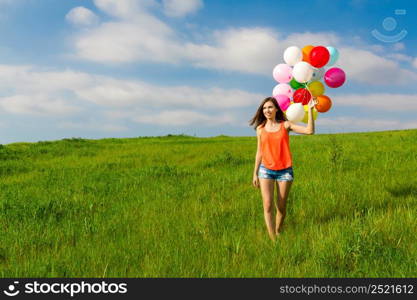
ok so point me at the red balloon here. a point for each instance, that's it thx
(302, 96)
(319, 56)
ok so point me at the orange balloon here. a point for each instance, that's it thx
(306, 53)
(324, 103)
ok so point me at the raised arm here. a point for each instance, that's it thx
(309, 129)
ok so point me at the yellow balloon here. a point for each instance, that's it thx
(305, 119)
(316, 88)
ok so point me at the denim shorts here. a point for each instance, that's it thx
(280, 175)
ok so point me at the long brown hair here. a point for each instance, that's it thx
(259, 117)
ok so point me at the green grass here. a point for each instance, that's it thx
(181, 206)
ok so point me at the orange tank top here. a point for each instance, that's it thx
(275, 148)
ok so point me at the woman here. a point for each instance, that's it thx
(273, 161)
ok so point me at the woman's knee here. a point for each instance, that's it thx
(282, 210)
(268, 207)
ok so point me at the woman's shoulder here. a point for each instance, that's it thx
(259, 129)
(287, 125)
(260, 126)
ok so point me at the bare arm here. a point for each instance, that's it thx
(258, 159)
(309, 129)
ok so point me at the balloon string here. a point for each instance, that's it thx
(306, 86)
(309, 90)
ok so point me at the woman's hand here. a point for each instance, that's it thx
(255, 181)
(312, 102)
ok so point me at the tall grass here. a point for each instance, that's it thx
(181, 206)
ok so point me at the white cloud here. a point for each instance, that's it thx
(33, 80)
(92, 125)
(415, 62)
(3, 13)
(344, 124)
(249, 50)
(123, 93)
(28, 90)
(7, 1)
(82, 16)
(400, 57)
(137, 35)
(182, 117)
(310, 38)
(181, 8)
(366, 67)
(380, 101)
(374, 48)
(146, 39)
(39, 104)
(398, 46)
(125, 9)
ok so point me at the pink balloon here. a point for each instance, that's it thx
(283, 101)
(283, 89)
(282, 73)
(334, 77)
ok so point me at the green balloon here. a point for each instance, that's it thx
(295, 84)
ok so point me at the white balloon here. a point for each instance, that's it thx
(295, 113)
(317, 74)
(282, 73)
(302, 71)
(293, 55)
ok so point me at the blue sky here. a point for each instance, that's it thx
(126, 68)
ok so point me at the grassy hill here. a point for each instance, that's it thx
(181, 206)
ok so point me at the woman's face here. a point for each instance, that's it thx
(269, 110)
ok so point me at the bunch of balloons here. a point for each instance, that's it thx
(299, 80)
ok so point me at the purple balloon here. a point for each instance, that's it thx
(283, 101)
(334, 77)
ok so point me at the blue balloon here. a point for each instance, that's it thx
(317, 74)
(334, 56)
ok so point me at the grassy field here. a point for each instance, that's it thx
(181, 206)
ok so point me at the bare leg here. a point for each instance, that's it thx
(267, 191)
(283, 188)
